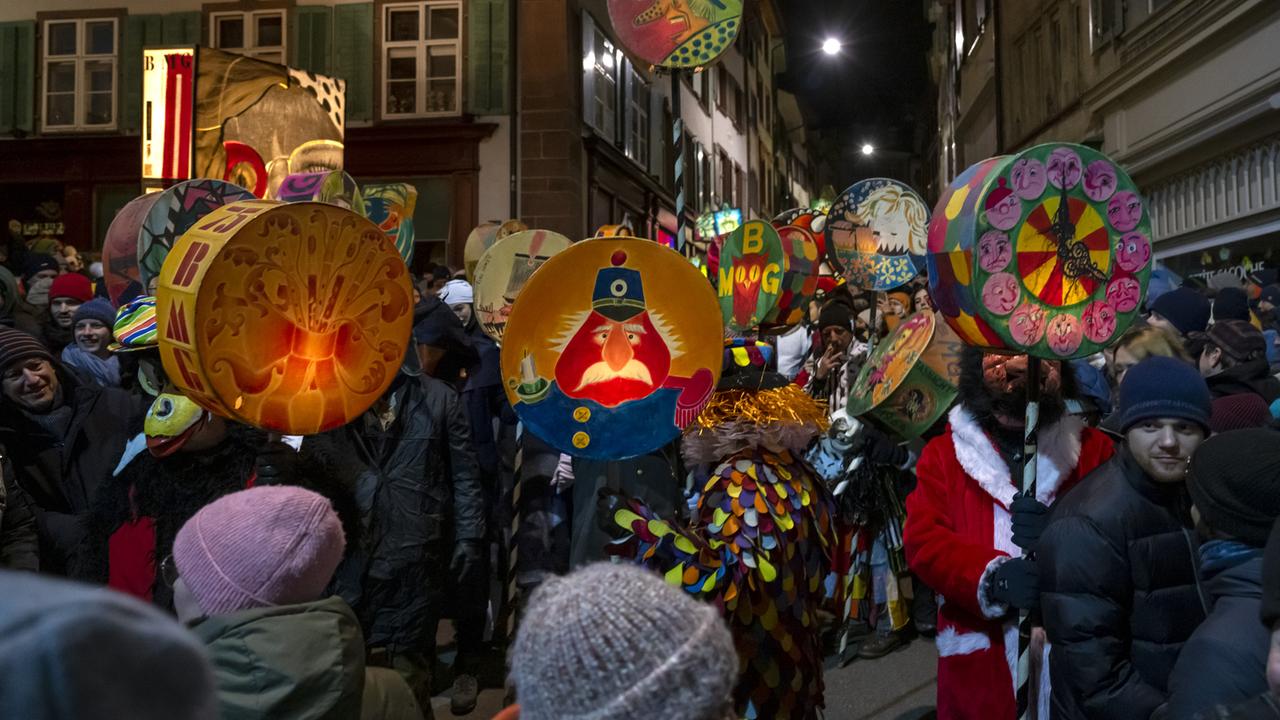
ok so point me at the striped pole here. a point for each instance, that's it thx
(677, 140)
(1026, 710)
(513, 540)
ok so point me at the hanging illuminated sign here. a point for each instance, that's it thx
(168, 112)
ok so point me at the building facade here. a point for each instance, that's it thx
(1185, 94)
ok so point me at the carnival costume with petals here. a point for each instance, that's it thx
(761, 540)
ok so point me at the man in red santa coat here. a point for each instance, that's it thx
(964, 515)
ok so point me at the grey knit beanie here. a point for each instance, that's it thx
(615, 642)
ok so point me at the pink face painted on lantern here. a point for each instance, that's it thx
(1026, 325)
(1028, 178)
(1099, 322)
(1063, 168)
(1123, 294)
(1000, 293)
(1099, 180)
(1005, 214)
(1124, 211)
(1132, 251)
(994, 251)
(1064, 333)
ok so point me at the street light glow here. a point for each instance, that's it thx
(868, 148)
(831, 46)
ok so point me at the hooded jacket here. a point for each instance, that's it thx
(418, 492)
(1119, 591)
(1224, 662)
(289, 662)
(1253, 376)
(62, 472)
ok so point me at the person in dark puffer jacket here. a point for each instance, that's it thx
(1232, 485)
(1118, 562)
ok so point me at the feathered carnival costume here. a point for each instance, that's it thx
(761, 540)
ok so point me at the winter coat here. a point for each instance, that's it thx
(62, 474)
(289, 662)
(1253, 376)
(958, 525)
(418, 492)
(1260, 707)
(1119, 592)
(19, 544)
(1225, 660)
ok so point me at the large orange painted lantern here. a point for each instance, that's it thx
(292, 317)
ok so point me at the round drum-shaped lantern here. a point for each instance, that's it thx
(503, 271)
(334, 187)
(1059, 254)
(876, 234)
(175, 210)
(749, 275)
(120, 248)
(390, 206)
(677, 35)
(613, 348)
(482, 238)
(799, 279)
(911, 377)
(809, 219)
(293, 318)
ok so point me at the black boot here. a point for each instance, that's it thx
(881, 645)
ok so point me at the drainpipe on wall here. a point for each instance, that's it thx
(513, 56)
(999, 76)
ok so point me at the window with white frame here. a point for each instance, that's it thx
(257, 34)
(601, 62)
(79, 82)
(422, 59)
(637, 117)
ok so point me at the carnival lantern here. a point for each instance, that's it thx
(749, 275)
(803, 264)
(1047, 252)
(390, 206)
(612, 348)
(876, 234)
(503, 271)
(677, 35)
(482, 238)
(120, 248)
(334, 187)
(294, 318)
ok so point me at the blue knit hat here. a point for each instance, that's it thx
(1164, 387)
(97, 309)
(1187, 309)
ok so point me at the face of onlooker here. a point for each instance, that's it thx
(1162, 447)
(1120, 364)
(31, 385)
(463, 311)
(63, 309)
(1155, 319)
(93, 337)
(921, 300)
(1210, 361)
(835, 336)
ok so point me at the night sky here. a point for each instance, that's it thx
(874, 90)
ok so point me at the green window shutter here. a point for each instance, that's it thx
(353, 44)
(180, 28)
(488, 56)
(310, 38)
(17, 76)
(140, 31)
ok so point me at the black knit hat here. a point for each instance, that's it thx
(1233, 483)
(1163, 387)
(1271, 294)
(17, 346)
(835, 314)
(1230, 304)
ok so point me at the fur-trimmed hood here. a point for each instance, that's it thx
(1058, 453)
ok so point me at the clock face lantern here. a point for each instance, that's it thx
(1047, 252)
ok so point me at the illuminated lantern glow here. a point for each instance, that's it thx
(503, 271)
(294, 318)
(876, 234)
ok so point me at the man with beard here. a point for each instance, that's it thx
(64, 436)
(1118, 560)
(969, 532)
(842, 355)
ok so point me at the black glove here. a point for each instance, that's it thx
(276, 463)
(1016, 582)
(608, 502)
(1029, 519)
(882, 450)
(468, 562)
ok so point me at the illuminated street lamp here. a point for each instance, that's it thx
(868, 148)
(831, 46)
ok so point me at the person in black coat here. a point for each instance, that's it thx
(19, 544)
(1234, 361)
(422, 518)
(1232, 482)
(1117, 561)
(65, 437)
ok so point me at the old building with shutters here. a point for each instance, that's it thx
(1185, 94)
(428, 100)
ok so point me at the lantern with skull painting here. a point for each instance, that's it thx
(1046, 252)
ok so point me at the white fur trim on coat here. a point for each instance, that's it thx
(991, 608)
(1058, 453)
(952, 642)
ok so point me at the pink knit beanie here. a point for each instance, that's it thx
(266, 546)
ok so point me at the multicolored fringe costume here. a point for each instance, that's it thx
(761, 542)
